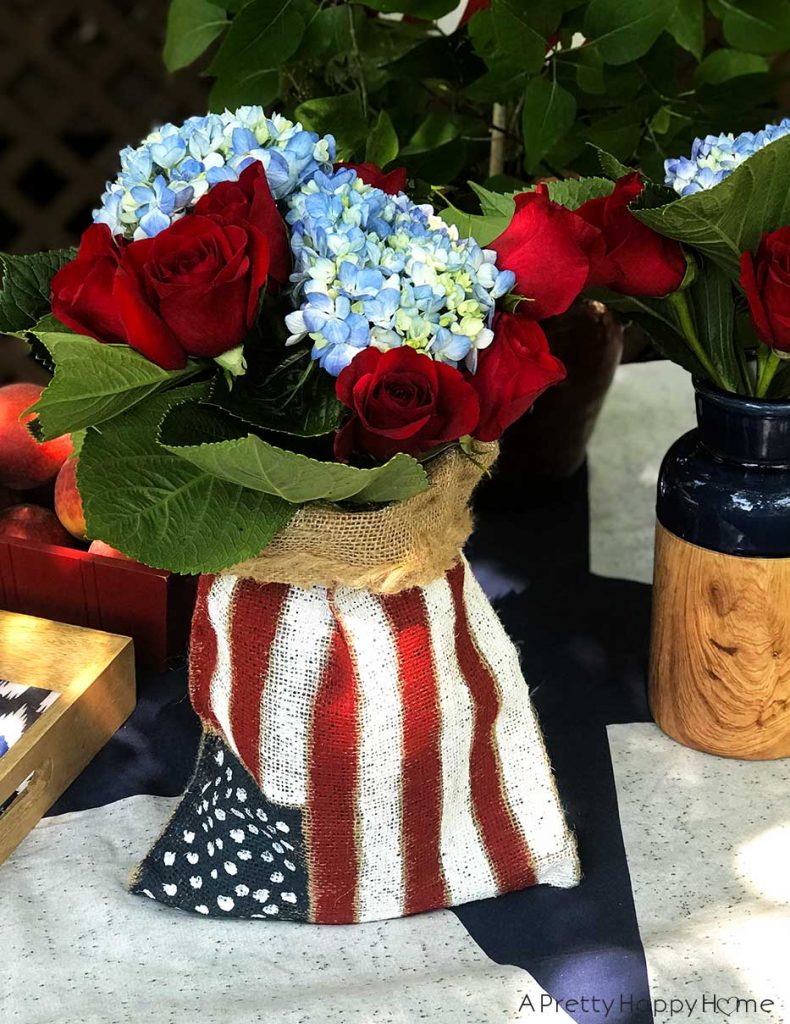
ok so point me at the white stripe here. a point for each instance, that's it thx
(465, 863)
(298, 657)
(379, 800)
(448, 23)
(527, 774)
(218, 608)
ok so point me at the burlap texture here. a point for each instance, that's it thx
(406, 544)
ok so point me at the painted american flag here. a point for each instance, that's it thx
(400, 730)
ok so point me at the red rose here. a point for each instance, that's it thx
(549, 249)
(250, 201)
(402, 401)
(82, 290)
(392, 181)
(765, 278)
(192, 289)
(512, 372)
(637, 261)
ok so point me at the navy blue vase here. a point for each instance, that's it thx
(720, 648)
(726, 485)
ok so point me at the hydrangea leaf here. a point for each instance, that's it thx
(94, 382)
(192, 26)
(161, 509)
(233, 455)
(25, 294)
(483, 228)
(730, 218)
(311, 411)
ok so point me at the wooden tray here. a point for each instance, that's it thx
(94, 674)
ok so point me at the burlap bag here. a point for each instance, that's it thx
(370, 749)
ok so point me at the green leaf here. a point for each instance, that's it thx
(312, 412)
(261, 37)
(624, 30)
(656, 319)
(589, 69)
(427, 9)
(25, 294)
(573, 192)
(256, 87)
(730, 218)
(496, 204)
(484, 229)
(342, 116)
(756, 26)
(436, 130)
(95, 382)
(714, 312)
(504, 82)
(549, 111)
(253, 463)
(192, 26)
(687, 26)
(382, 144)
(521, 30)
(722, 65)
(162, 510)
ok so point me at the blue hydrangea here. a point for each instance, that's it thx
(716, 156)
(175, 165)
(377, 269)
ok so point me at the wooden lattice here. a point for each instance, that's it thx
(79, 79)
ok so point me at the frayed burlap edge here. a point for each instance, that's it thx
(406, 544)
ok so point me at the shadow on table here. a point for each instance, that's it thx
(583, 642)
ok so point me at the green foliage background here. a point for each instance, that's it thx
(651, 76)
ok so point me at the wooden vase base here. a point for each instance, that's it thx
(720, 650)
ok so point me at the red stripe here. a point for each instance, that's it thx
(422, 766)
(202, 655)
(256, 614)
(332, 786)
(510, 856)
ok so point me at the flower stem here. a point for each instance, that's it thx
(769, 364)
(681, 304)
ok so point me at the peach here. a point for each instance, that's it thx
(32, 522)
(24, 463)
(68, 503)
(98, 547)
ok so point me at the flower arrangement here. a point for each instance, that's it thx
(702, 266)
(247, 327)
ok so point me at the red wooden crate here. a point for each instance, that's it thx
(152, 606)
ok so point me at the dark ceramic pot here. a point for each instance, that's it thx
(720, 650)
(726, 485)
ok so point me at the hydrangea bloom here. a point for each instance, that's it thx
(175, 165)
(378, 269)
(716, 156)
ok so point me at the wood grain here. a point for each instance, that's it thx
(720, 650)
(94, 673)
